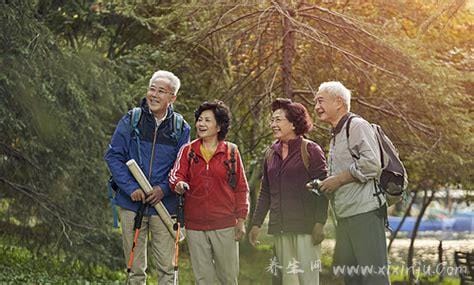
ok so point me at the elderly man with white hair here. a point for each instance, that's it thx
(153, 140)
(352, 184)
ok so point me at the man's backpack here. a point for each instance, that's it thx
(304, 153)
(394, 179)
(135, 116)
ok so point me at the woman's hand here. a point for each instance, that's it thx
(181, 187)
(317, 235)
(253, 235)
(239, 229)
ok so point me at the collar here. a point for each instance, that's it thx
(340, 124)
(292, 144)
(159, 121)
(196, 146)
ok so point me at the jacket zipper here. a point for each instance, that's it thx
(152, 155)
(281, 194)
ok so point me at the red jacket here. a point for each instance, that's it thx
(210, 203)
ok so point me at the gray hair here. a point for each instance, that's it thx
(335, 88)
(175, 83)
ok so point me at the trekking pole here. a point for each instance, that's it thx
(177, 227)
(136, 226)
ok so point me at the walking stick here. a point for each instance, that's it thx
(136, 226)
(147, 188)
(177, 227)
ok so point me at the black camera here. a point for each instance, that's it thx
(314, 186)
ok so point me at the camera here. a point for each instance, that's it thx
(313, 186)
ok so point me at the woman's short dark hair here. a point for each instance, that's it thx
(296, 113)
(222, 114)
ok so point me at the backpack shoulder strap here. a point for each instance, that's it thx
(231, 164)
(178, 125)
(190, 154)
(135, 118)
(268, 154)
(378, 135)
(348, 126)
(305, 153)
(231, 147)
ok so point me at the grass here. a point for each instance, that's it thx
(19, 265)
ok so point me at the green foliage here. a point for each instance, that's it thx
(56, 109)
(20, 265)
(70, 69)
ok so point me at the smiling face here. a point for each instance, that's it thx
(206, 125)
(329, 108)
(282, 129)
(159, 96)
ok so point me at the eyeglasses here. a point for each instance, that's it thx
(159, 91)
(276, 120)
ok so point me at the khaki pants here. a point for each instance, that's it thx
(214, 255)
(299, 259)
(161, 243)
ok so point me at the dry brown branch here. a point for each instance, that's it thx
(237, 87)
(450, 9)
(44, 202)
(409, 122)
(30, 193)
(348, 54)
(349, 20)
(10, 151)
(356, 38)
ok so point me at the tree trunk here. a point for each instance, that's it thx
(426, 202)
(288, 50)
(393, 236)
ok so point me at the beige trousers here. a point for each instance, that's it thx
(299, 259)
(161, 244)
(214, 256)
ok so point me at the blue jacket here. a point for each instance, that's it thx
(123, 147)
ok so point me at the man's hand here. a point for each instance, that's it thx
(317, 235)
(239, 229)
(332, 183)
(253, 235)
(181, 187)
(155, 196)
(138, 195)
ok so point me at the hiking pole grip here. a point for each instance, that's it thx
(146, 187)
(136, 227)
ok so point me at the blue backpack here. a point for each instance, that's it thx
(135, 116)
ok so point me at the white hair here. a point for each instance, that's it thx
(174, 81)
(335, 88)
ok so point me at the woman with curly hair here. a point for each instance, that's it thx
(210, 173)
(297, 216)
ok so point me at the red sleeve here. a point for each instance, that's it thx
(180, 168)
(241, 190)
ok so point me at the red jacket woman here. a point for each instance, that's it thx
(210, 174)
